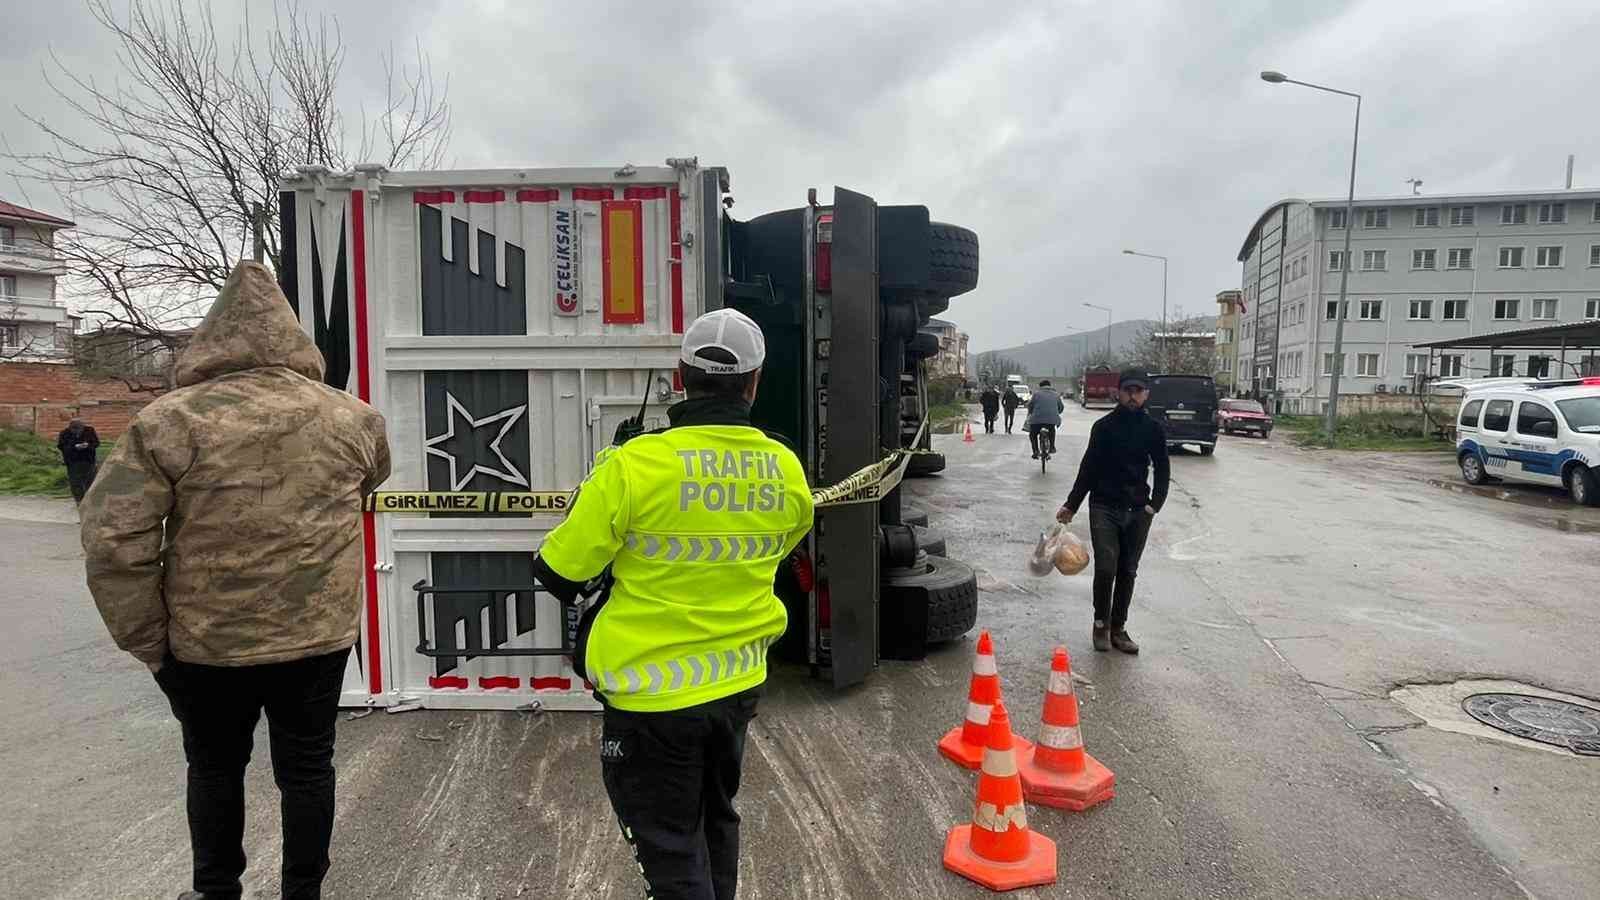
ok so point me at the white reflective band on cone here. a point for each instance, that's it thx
(999, 763)
(1060, 682)
(987, 817)
(978, 713)
(1060, 737)
(984, 665)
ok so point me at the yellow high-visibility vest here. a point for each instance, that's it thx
(694, 522)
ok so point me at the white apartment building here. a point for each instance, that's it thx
(1422, 268)
(34, 325)
(952, 356)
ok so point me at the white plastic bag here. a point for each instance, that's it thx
(1058, 550)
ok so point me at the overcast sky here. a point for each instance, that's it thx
(1060, 132)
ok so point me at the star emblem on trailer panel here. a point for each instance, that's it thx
(507, 418)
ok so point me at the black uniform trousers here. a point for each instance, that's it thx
(218, 707)
(672, 777)
(1118, 535)
(80, 476)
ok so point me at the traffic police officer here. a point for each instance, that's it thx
(693, 521)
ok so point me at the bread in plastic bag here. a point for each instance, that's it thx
(1058, 550)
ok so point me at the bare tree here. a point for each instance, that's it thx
(1189, 347)
(165, 166)
(995, 365)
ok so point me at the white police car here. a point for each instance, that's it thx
(1541, 432)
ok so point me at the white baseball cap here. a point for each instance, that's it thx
(727, 330)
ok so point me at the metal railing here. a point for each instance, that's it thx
(30, 247)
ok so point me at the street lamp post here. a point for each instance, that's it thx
(1166, 361)
(1107, 311)
(1344, 268)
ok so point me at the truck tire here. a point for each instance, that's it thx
(937, 603)
(923, 345)
(924, 464)
(953, 263)
(910, 516)
(928, 307)
(928, 541)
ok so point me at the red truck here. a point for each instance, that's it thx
(1099, 386)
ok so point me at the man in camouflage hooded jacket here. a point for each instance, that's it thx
(223, 545)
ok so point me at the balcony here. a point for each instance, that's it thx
(30, 256)
(33, 309)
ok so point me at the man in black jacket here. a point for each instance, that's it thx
(990, 401)
(1123, 446)
(78, 444)
(1010, 401)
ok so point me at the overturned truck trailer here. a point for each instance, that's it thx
(506, 322)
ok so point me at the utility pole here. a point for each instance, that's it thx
(258, 227)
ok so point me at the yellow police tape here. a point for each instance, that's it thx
(866, 485)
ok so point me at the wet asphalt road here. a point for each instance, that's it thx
(1282, 596)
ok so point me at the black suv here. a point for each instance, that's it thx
(1186, 407)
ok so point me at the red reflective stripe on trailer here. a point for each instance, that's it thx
(645, 193)
(540, 195)
(484, 196)
(434, 197)
(500, 681)
(592, 194)
(369, 534)
(549, 684)
(453, 682)
(677, 380)
(676, 228)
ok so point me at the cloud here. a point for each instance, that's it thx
(1061, 132)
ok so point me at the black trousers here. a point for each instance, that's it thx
(218, 707)
(1034, 431)
(672, 777)
(1011, 414)
(1118, 536)
(80, 475)
(988, 420)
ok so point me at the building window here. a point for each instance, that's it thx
(1514, 214)
(1538, 367)
(1591, 308)
(8, 236)
(1463, 215)
(1416, 364)
(1331, 313)
(1375, 217)
(10, 335)
(1425, 216)
(1548, 257)
(1450, 365)
(1502, 365)
(1335, 257)
(1458, 258)
(1424, 259)
(1594, 255)
(1421, 309)
(1336, 217)
(1596, 212)
(1507, 309)
(1544, 309)
(1511, 257)
(1374, 260)
(1367, 365)
(1371, 310)
(8, 285)
(1552, 213)
(1455, 310)
(1327, 364)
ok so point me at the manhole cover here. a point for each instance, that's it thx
(1541, 719)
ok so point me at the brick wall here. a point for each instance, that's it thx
(42, 397)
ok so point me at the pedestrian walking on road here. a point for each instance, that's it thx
(79, 446)
(692, 522)
(1044, 417)
(223, 544)
(990, 401)
(1010, 401)
(1124, 445)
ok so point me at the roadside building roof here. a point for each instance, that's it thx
(13, 211)
(1573, 335)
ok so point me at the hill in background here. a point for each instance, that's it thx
(1063, 354)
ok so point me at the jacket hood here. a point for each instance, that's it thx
(249, 327)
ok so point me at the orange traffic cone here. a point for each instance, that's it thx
(967, 439)
(997, 850)
(963, 744)
(1058, 771)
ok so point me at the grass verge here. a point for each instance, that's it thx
(1398, 432)
(29, 464)
(945, 418)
